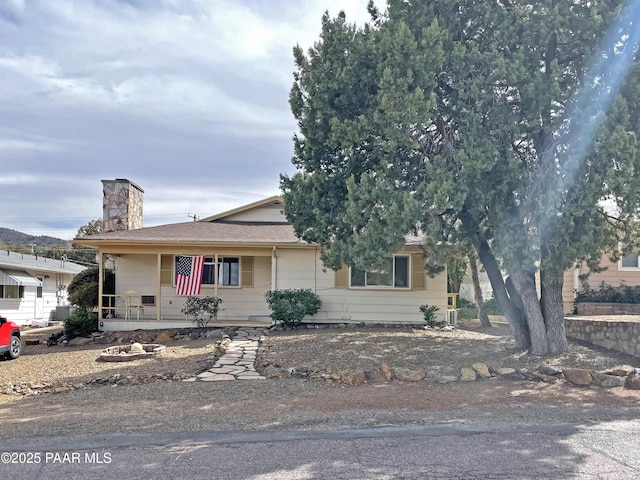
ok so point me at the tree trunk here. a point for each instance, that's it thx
(553, 312)
(515, 317)
(477, 291)
(526, 286)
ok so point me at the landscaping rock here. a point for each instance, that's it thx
(376, 376)
(482, 369)
(386, 371)
(163, 338)
(550, 369)
(506, 371)
(354, 378)
(447, 379)
(545, 377)
(607, 381)
(75, 342)
(622, 371)
(406, 375)
(633, 380)
(578, 376)
(468, 375)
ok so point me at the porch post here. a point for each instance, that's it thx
(100, 283)
(215, 282)
(215, 273)
(274, 269)
(158, 289)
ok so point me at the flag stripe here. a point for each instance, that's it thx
(189, 275)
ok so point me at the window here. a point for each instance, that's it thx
(11, 291)
(628, 261)
(228, 271)
(39, 289)
(395, 274)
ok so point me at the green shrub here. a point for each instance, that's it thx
(610, 294)
(429, 312)
(464, 303)
(81, 323)
(492, 307)
(290, 306)
(468, 313)
(468, 310)
(202, 310)
(83, 289)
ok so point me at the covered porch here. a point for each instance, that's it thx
(145, 295)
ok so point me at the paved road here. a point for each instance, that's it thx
(602, 451)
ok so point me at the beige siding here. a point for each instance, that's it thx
(303, 269)
(568, 290)
(613, 275)
(267, 213)
(139, 273)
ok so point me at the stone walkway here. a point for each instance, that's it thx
(238, 361)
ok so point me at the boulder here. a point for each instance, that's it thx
(633, 380)
(386, 371)
(622, 371)
(607, 381)
(482, 369)
(162, 339)
(467, 374)
(578, 376)
(447, 379)
(77, 341)
(545, 377)
(550, 369)
(506, 371)
(357, 377)
(376, 376)
(406, 375)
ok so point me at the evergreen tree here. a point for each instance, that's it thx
(502, 124)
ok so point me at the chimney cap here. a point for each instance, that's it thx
(124, 180)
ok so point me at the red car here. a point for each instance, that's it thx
(10, 343)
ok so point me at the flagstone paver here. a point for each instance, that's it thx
(238, 361)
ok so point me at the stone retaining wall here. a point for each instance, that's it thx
(594, 308)
(620, 335)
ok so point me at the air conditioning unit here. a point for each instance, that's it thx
(452, 317)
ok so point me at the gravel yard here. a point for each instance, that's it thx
(438, 352)
(74, 365)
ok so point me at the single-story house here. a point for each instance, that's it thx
(33, 289)
(247, 252)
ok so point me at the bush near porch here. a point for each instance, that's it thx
(290, 306)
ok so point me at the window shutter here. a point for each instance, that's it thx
(247, 272)
(166, 270)
(341, 278)
(418, 273)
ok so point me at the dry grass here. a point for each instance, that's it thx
(436, 351)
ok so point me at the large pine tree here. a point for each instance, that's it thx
(503, 124)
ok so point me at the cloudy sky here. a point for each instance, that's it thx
(186, 98)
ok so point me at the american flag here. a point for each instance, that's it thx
(189, 275)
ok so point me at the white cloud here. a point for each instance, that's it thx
(188, 98)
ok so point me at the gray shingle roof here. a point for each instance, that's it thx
(24, 261)
(202, 232)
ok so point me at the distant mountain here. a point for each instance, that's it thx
(13, 237)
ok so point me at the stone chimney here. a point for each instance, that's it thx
(121, 205)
